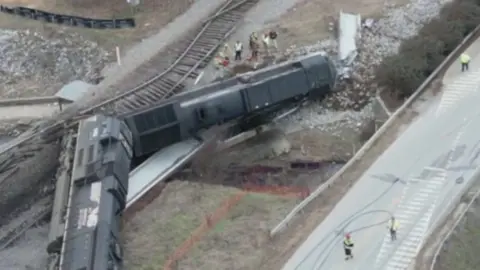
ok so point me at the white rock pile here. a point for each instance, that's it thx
(378, 39)
(327, 120)
(399, 23)
(33, 64)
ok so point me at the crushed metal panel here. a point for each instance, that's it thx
(73, 90)
(349, 31)
(158, 166)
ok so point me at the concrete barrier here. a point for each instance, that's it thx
(33, 101)
(361, 152)
(54, 100)
(460, 217)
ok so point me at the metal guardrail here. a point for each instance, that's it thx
(362, 151)
(35, 101)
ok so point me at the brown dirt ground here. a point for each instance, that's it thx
(245, 228)
(156, 231)
(240, 240)
(312, 144)
(309, 21)
(150, 15)
(181, 208)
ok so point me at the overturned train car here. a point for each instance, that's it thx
(87, 234)
(97, 196)
(245, 97)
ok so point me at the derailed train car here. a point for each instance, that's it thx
(98, 192)
(244, 97)
(105, 147)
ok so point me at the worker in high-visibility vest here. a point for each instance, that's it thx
(348, 247)
(464, 60)
(393, 227)
(238, 50)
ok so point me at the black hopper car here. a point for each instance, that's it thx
(247, 98)
(98, 193)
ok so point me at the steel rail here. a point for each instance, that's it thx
(7, 238)
(199, 62)
(36, 134)
(167, 93)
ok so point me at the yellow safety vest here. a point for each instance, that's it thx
(393, 226)
(464, 58)
(347, 243)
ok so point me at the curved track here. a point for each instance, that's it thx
(197, 54)
(26, 221)
(194, 55)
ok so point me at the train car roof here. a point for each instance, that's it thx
(251, 77)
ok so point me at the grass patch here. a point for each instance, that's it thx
(155, 232)
(238, 241)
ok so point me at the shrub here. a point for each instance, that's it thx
(450, 33)
(466, 12)
(426, 47)
(402, 73)
(419, 56)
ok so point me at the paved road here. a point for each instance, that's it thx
(441, 146)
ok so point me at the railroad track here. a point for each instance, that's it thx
(195, 54)
(26, 221)
(41, 205)
(31, 108)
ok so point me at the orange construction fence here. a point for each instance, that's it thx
(277, 190)
(220, 213)
(209, 222)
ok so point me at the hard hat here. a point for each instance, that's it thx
(347, 235)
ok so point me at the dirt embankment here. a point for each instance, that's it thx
(221, 220)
